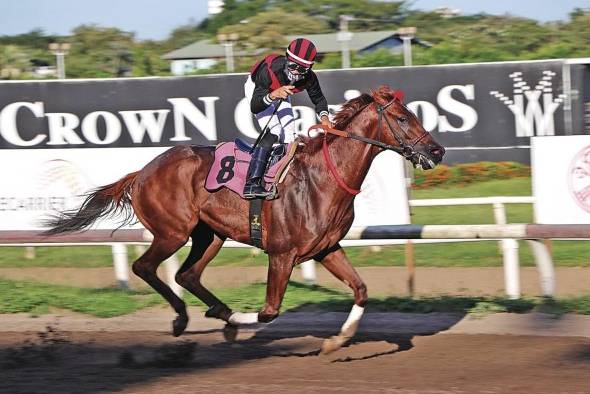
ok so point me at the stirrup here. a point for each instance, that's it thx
(249, 193)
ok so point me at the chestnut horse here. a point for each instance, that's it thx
(312, 214)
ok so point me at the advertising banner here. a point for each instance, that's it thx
(60, 138)
(561, 179)
(486, 111)
(38, 183)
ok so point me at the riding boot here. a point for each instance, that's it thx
(254, 187)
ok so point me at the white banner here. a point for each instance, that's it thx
(36, 183)
(383, 198)
(561, 179)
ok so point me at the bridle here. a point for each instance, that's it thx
(406, 150)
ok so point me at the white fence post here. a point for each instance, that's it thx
(308, 271)
(545, 267)
(120, 262)
(30, 252)
(509, 256)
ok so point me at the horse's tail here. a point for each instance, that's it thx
(106, 201)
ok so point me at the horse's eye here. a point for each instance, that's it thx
(402, 119)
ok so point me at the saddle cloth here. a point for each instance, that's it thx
(230, 166)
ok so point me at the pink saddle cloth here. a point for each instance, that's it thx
(230, 167)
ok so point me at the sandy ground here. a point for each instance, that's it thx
(281, 362)
(380, 280)
(438, 353)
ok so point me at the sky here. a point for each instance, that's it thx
(155, 19)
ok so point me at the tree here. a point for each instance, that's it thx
(96, 51)
(14, 61)
(267, 30)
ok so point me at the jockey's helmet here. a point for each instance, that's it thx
(301, 55)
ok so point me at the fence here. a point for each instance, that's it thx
(530, 232)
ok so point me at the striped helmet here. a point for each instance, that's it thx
(302, 51)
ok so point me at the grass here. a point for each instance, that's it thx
(38, 298)
(60, 256)
(456, 254)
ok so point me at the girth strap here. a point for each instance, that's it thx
(255, 220)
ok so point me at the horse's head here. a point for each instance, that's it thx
(398, 126)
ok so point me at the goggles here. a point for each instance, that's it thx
(297, 67)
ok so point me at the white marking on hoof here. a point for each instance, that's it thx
(346, 332)
(354, 318)
(239, 318)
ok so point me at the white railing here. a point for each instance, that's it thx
(509, 247)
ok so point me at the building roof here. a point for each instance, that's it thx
(326, 43)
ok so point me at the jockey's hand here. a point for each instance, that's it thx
(283, 92)
(326, 121)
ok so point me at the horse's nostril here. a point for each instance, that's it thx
(437, 152)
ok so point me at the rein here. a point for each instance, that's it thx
(403, 149)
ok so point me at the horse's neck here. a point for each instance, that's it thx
(352, 161)
(352, 158)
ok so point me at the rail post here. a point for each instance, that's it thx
(119, 251)
(544, 264)
(509, 256)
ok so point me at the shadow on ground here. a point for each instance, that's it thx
(56, 361)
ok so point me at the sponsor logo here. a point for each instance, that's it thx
(104, 128)
(57, 185)
(579, 179)
(434, 116)
(536, 116)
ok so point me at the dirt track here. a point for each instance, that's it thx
(142, 362)
(393, 353)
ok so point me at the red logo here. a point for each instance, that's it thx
(579, 178)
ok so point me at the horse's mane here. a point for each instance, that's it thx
(352, 107)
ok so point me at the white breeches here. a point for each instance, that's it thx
(282, 124)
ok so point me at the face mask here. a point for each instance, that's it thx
(293, 77)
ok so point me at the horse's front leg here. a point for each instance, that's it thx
(336, 261)
(279, 271)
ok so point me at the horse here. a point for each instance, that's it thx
(313, 213)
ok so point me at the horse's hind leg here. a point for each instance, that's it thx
(337, 263)
(145, 267)
(205, 246)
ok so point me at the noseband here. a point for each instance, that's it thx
(404, 149)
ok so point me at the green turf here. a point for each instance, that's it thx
(456, 254)
(60, 256)
(36, 298)
(20, 296)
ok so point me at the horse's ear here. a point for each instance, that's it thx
(399, 95)
(381, 94)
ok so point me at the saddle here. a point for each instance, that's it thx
(231, 162)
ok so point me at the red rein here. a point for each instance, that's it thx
(328, 159)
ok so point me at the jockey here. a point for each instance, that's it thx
(271, 83)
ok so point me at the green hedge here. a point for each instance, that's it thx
(463, 174)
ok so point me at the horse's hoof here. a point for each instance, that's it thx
(230, 332)
(179, 325)
(332, 344)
